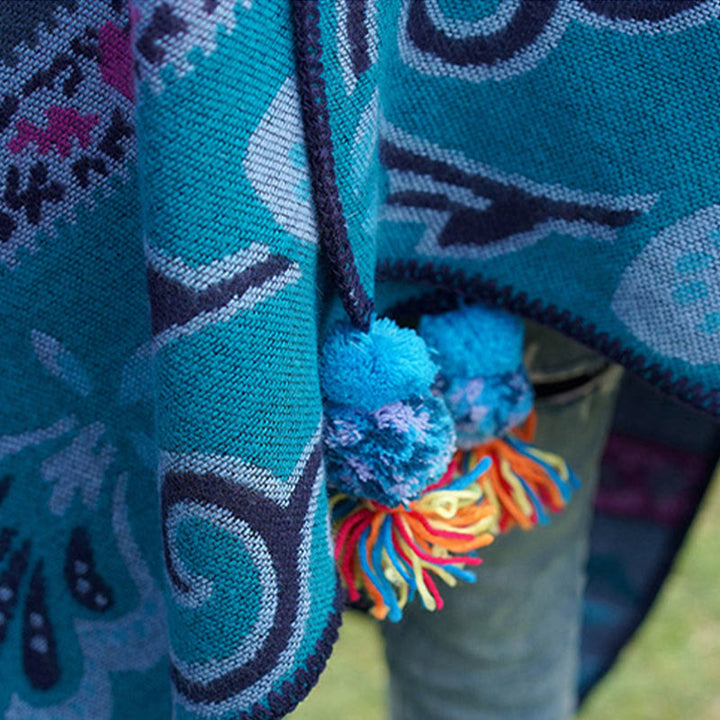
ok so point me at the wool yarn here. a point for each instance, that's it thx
(387, 436)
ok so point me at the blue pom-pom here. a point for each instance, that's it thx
(474, 340)
(387, 435)
(489, 407)
(392, 454)
(482, 377)
(367, 370)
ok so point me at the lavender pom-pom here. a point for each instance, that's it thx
(389, 455)
(482, 378)
(387, 436)
(489, 407)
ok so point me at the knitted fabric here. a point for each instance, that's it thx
(171, 215)
(560, 164)
(159, 286)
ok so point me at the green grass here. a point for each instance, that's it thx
(671, 670)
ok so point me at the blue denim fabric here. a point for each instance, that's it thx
(507, 647)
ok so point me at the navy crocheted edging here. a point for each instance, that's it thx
(318, 139)
(490, 291)
(293, 692)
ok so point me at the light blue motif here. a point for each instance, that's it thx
(668, 299)
(276, 164)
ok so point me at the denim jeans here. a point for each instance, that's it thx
(507, 646)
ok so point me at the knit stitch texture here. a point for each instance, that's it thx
(190, 190)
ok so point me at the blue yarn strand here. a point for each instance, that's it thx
(543, 517)
(460, 573)
(564, 487)
(469, 477)
(400, 565)
(379, 580)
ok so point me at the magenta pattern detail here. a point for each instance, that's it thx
(63, 125)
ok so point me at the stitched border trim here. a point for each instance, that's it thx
(318, 140)
(491, 292)
(293, 692)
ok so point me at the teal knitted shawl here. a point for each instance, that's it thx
(193, 189)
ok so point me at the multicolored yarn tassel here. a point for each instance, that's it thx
(523, 483)
(392, 553)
